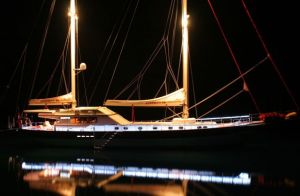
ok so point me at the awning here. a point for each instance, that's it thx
(60, 100)
(173, 99)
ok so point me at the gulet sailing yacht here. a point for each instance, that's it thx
(100, 127)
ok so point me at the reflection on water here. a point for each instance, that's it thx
(69, 172)
(103, 175)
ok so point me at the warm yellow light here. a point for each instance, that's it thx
(73, 14)
(185, 20)
(50, 172)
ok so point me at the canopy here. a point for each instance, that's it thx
(60, 100)
(173, 99)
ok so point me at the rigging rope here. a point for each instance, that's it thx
(56, 67)
(145, 68)
(42, 46)
(165, 34)
(174, 31)
(235, 80)
(82, 75)
(169, 67)
(221, 104)
(224, 87)
(23, 56)
(167, 49)
(109, 52)
(149, 61)
(193, 84)
(64, 61)
(170, 15)
(105, 61)
(22, 74)
(232, 54)
(77, 52)
(123, 45)
(270, 56)
(163, 43)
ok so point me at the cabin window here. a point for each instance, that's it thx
(125, 128)
(140, 128)
(180, 127)
(170, 128)
(199, 127)
(154, 128)
(116, 128)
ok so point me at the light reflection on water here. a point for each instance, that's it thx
(79, 172)
(65, 170)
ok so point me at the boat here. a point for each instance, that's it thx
(67, 124)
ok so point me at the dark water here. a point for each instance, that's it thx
(83, 172)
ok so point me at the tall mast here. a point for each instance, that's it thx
(185, 59)
(73, 16)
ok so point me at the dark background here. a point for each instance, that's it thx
(22, 22)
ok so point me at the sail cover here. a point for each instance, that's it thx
(173, 99)
(59, 100)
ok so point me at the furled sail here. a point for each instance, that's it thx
(59, 100)
(173, 99)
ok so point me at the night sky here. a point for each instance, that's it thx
(22, 23)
